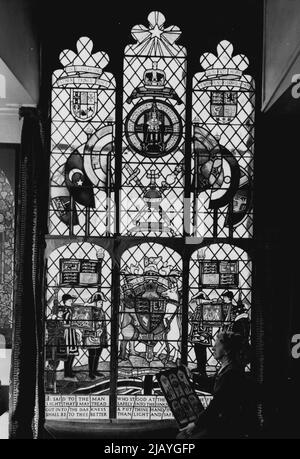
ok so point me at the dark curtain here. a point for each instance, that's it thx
(26, 401)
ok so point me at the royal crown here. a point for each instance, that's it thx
(154, 78)
(151, 279)
(154, 84)
(151, 264)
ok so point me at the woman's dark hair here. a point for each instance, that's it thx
(232, 342)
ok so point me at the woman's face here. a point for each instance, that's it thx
(218, 349)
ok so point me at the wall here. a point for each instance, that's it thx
(19, 46)
(281, 48)
(19, 65)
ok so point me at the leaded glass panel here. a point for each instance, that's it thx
(153, 131)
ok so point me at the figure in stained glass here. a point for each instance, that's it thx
(71, 334)
(95, 338)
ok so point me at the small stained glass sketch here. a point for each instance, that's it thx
(180, 395)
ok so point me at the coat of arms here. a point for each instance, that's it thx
(223, 78)
(83, 78)
(150, 313)
(223, 105)
(84, 104)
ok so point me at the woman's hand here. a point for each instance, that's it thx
(189, 429)
(188, 372)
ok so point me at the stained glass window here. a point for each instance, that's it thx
(77, 345)
(116, 303)
(153, 131)
(6, 258)
(149, 327)
(82, 144)
(220, 299)
(223, 145)
(7, 239)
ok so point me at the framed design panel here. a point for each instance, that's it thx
(78, 324)
(154, 96)
(219, 300)
(82, 144)
(149, 328)
(223, 145)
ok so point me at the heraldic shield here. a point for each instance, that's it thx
(84, 104)
(223, 105)
(150, 314)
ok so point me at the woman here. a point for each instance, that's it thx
(224, 416)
